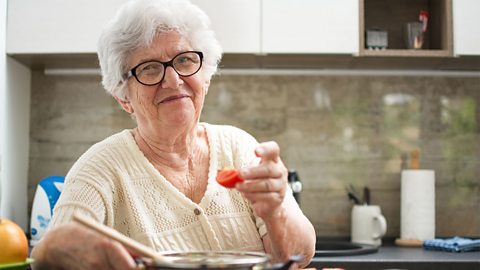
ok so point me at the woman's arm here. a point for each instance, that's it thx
(289, 232)
(71, 246)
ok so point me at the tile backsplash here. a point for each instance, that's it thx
(334, 130)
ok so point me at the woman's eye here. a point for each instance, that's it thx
(184, 60)
(150, 68)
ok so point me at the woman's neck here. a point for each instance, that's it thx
(172, 150)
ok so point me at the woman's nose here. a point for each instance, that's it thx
(171, 79)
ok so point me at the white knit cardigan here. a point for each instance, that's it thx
(116, 185)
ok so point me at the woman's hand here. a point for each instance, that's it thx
(71, 246)
(265, 184)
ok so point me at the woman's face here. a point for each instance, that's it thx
(176, 100)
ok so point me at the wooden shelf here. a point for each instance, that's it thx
(392, 15)
(406, 53)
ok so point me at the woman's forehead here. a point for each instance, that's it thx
(164, 46)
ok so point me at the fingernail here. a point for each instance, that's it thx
(259, 151)
(239, 186)
(242, 172)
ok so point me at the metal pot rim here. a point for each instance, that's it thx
(212, 259)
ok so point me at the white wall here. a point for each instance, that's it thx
(3, 34)
(15, 142)
(14, 132)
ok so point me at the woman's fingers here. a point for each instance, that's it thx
(262, 186)
(262, 171)
(265, 184)
(255, 197)
(119, 258)
(268, 151)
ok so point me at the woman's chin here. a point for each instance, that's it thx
(179, 117)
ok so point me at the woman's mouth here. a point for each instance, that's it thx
(174, 97)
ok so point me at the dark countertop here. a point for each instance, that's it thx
(394, 257)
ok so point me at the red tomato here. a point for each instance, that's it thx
(228, 178)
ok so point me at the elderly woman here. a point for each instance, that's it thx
(156, 182)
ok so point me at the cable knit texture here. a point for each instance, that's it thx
(116, 185)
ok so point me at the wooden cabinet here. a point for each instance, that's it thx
(466, 27)
(392, 16)
(310, 26)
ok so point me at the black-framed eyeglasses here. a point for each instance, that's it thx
(152, 72)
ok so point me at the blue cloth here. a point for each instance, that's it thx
(454, 244)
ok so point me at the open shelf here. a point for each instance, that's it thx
(392, 15)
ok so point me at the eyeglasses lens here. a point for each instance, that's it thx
(185, 64)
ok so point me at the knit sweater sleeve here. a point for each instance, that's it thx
(88, 188)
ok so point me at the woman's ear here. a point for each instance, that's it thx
(206, 86)
(125, 104)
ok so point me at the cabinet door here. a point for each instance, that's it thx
(57, 26)
(466, 27)
(235, 22)
(310, 26)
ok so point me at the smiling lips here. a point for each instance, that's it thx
(174, 97)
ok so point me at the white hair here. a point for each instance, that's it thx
(136, 24)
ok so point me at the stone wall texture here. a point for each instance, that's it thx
(335, 131)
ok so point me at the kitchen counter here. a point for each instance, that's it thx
(392, 257)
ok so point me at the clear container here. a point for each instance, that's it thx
(413, 35)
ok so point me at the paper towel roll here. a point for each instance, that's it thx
(418, 205)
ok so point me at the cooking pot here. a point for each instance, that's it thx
(231, 260)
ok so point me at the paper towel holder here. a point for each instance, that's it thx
(408, 242)
(415, 186)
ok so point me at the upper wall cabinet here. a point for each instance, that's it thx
(398, 22)
(310, 26)
(242, 26)
(56, 26)
(235, 22)
(261, 26)
(466, 27)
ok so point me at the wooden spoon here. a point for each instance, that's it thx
(131, 244)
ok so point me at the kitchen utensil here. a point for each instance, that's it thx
(353, 198)
(231, 260)
(153, 260)
(368, 225)
(366, 196)
(352, 194)
(131, 244)
(415, 160)
(417, 205)
(408, 242)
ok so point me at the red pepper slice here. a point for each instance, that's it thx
(228, 177)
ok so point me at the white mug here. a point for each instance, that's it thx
(368, 225)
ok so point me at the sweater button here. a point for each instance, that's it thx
(196, 211)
